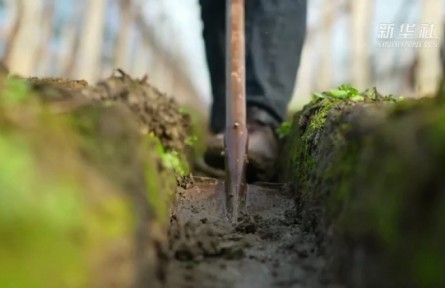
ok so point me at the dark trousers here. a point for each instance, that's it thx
(275, 32)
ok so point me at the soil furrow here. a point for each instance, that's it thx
(267, 248)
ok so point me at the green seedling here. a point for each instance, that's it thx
(344, 91)
(284, 129)
(172, 160)
(16, 91)
(191, 140)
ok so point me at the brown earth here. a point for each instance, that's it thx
(327, 225)
(366, 180)
(157, 113)
(267, 248)
(86, 146)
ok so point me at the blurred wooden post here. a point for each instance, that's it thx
(429, 67)
(24, 42)
(16, 9)
(308, 74)
(121, 50)
(69, 45)
(361, 19)
(90, 49)
(164, 63)
(140, 63)
(304, 83)
(70, 41)
(325, 79)
(43, 55)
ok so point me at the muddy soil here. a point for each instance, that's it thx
(267, 248)
(157, 113)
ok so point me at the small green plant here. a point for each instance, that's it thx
(15, 91)
(284, 129)
(191, 140)
(109, 103)
(344, 91)
(172, 160)
(182, 110)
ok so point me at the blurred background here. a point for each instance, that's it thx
(394, 45)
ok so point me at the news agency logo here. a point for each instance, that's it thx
(407, 35)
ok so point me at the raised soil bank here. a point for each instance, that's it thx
(85, 193)
(367, 181)
(90, 197)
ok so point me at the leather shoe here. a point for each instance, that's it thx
(262, 152)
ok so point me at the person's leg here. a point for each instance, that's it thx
(214, 21)
(275, 31)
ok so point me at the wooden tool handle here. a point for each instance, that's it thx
(236, 135)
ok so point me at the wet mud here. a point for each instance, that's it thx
(266, 248)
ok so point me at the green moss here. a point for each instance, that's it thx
(319, 118)
(343, 174)
(171, 160)
(191, 140)
(67, 186)
(302, 135)
(39, 214)
(284, 129)
(376, 182)
(303, 163)
(14, 91)
(428, 267)
(436, 133)
(123, 144)
(405, 106)
(198, 133)
(160, 174)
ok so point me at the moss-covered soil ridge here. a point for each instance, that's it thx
(366, 178)
(87, 179)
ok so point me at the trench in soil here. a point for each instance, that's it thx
(267, 248)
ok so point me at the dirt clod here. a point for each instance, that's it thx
(198, 241)
(246, 224)
(157, 113)
(265, 249)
